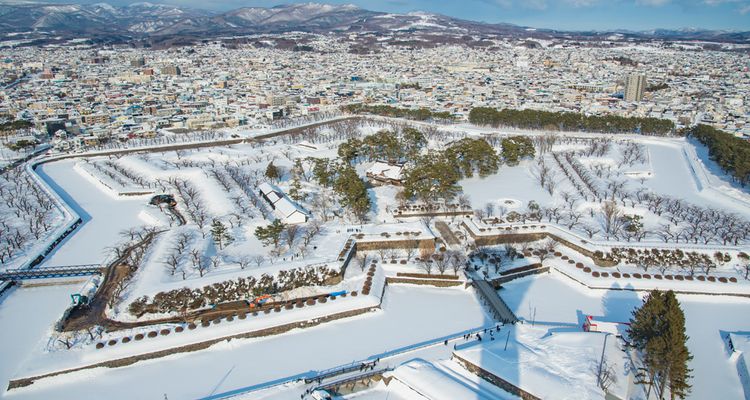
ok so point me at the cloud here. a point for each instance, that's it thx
(582, 3)
(652, 3)
(717, 2)
(536, 4)
(532, 4)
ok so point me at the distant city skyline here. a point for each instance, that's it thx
(555, 14)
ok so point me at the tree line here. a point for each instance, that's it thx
(568, 121)
(420, 114)
(436, 174)
(730, 152)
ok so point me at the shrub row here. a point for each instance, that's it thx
(233, 290)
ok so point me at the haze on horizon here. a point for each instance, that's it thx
(555, 14)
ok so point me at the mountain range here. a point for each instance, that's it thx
(147, 21)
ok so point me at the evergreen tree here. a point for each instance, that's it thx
(568, 121)
(412, 142)
(270, 234)
(353, 191)
(220, 233)
(382, 145)
(515, 148)
(295, 189)
(469, 155)
(431, 177)
(297, 169)
(272, 172)
(657, 330)
(322, 171)
(349, 151)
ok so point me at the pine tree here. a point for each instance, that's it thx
(322, 171)
(657, 330)
(353, 191)
(679, 356)
(349, 150)
(295, 189)
(220, 233)
(270, 234)
(297, 169)
(272, 172)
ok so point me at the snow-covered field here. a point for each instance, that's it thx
(410, 315)
(556, 300)
(220, 184)
(27, 316)
(104, 216)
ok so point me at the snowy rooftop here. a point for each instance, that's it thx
(386, 170)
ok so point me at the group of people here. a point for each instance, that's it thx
(363, 367)
(478, 335)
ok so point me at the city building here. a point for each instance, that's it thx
(635, 86)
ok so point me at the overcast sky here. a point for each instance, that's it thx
(561, 14)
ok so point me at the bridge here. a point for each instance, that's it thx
(50, 272)
(492, 299)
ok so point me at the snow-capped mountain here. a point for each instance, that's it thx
(148, 21)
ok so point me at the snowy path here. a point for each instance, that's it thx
(104, 216)
(411, 314)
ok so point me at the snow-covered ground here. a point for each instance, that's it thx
(410, 315)
(104, 216)
(27, 317)
(556, 300)
(560, 365)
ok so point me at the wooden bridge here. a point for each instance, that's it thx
(492, 299)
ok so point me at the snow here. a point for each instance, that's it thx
(35, 309)
(102, 220)
(410, 314)
(385, 170)
(555, 300)
(439, 382)
(560, 365)
(552, 358)
(510, 183)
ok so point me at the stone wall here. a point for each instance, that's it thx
(121, 362)
(502, 238)
(494, 379)
(428, 282)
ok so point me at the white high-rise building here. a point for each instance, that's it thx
(635, 85)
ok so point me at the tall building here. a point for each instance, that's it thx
(138, 62)
(275, 100)
(171, 70)
(635, 85)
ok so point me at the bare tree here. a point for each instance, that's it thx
(590, 230)
(244, 261)
(611, 219)
(361, 259)
(489, 210)
(171, 263)
(258, 260)
(458, 261)
(426, 264)
(607, 376)
(292, 231)
(442, 263)
(546, 249)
